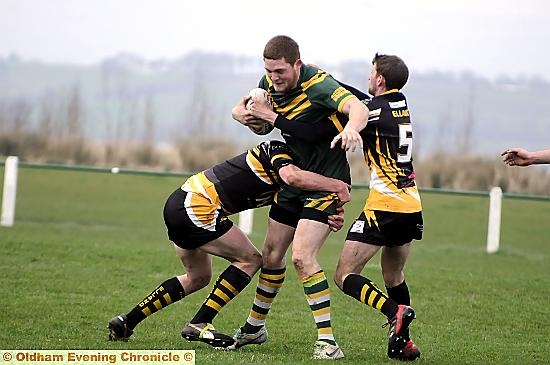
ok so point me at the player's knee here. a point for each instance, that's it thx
(300, 261)
(256, 260)
(272, 258)
(199, 281)
(338, 279)
(251, 263)
(204, 280)
(393, 278)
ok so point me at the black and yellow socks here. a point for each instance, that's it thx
(229, 284)
(165, 294)
(269, 283)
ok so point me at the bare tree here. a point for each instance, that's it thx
(15, 120)
(119, 108)
(146, 151)
(46, 122)
(74, 113)
(20, 112)
(466, 135)
(197, 119)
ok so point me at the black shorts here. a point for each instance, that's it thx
(283, 216)
(386, 228)
(192, 220)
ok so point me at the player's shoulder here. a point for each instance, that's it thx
(318, 84)
(391, 100)
(310, 73)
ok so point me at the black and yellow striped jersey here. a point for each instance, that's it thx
(317, 99)
(249, 180)
(388, 145)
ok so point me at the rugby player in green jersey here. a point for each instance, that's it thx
(392, 216)
(196, 219)
(302, 96)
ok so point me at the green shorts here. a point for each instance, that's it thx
(314, 205)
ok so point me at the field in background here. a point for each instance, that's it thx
(87, 246)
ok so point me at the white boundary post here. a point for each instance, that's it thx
(246, 220)
(10, 191)
(493, 230)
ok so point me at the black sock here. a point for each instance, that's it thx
(165, 294)
(400, 293)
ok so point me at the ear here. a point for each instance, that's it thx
(381, 81)
(298, 63)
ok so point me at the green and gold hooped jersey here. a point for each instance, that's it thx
(388, 144)
(318, 98)
(249, 180)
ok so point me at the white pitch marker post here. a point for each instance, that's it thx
(10, 190)
(246, 221)
(493, 230)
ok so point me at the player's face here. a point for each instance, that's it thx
(374, 81)
(283, 74)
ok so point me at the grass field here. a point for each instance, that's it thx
(87, 246)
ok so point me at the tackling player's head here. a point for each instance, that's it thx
(388, 72)
(282, 62)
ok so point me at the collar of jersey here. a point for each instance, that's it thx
(390, 91)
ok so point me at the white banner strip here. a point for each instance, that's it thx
(127, 357)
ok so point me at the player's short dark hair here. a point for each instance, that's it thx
(393, 69)
(282, 46)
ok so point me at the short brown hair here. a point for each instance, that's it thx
(282, 46)
(393, 69)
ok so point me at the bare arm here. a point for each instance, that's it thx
(307, 180)
(239, 111)
(358, 115)
(521, 157)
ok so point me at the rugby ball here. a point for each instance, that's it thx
(265, 127)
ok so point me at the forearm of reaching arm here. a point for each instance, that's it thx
(358, 115)
(541, 157)
(307, 180)
(350, 137)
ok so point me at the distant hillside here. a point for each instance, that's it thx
(127, 98)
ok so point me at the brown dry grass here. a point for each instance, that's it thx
(186, 155)
(480, 174)
(467, 173)
(439, 170)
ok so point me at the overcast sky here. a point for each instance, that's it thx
(489, 37)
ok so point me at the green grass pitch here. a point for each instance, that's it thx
(87, 246)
